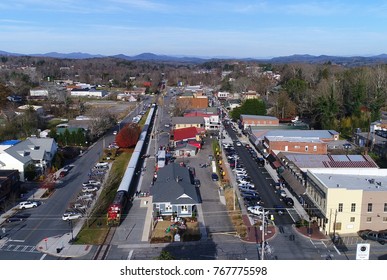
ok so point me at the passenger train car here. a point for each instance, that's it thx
(125, 189)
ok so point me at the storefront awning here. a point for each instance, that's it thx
(271, 158)
(311, 207)
(276, 164)
(292, 181)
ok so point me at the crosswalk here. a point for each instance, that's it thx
(8, 246)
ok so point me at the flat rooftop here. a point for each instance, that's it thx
(366, 179)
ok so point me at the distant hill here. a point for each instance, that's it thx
(3, 53)
(351, 60)
(73, 55)
(297, 58)
(160, 58)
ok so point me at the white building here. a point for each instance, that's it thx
(41, 92)
(38, 109)
(36, 151)
(86, 92)
(223, 94)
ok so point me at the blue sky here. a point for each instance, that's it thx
(208, 28)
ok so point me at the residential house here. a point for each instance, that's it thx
(126, 97)
(38, 109)
(36, 151)
(185, 149)
(346, 200)
(173, 193)
(251, 94)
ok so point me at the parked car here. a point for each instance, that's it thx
(86, 196)
(67, 168)
(248, 192)
(282, 193)
(252, 200)
(241, 174)
(80, 206)
(197, 182)
(89, 188)
(71, 216)
(248, 201)
(214, 177)
(289, 201)
(17, 218)
(28, 204)
(257, 210)
(247, 186)
(91, 182)
(240, 170)
(243, 181)
(379, 236)
(63, 173)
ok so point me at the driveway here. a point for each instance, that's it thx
(214, 212)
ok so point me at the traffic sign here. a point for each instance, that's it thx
(363, 251)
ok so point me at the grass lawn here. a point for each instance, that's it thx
(192, 232)
(95, 228)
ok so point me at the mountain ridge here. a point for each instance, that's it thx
(147, 56)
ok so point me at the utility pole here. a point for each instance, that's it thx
(334, 225)
(263, 235)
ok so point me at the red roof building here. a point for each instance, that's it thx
(185, 134)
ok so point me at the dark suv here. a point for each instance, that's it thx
(379, 236)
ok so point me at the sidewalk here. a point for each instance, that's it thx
(61, 245)
(254, 233)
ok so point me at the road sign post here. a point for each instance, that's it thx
(363, 251)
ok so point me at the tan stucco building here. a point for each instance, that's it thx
(346, 200)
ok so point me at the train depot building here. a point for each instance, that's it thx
(173, 192)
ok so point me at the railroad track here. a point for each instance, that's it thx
(103, 249)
